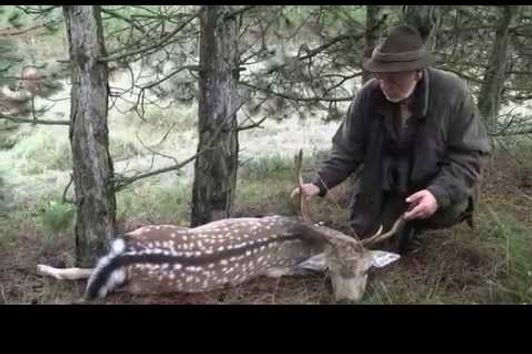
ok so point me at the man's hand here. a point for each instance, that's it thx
(422, 205)
(309, 190)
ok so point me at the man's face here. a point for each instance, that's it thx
(399, 85)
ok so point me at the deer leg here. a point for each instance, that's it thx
(64, 273)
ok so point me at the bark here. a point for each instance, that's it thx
(426, 19)
(93, 168)
(373, 26)
(215, 170)
(489, 99)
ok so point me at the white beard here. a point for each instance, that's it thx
(401, 98)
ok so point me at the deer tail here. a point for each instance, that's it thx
(108, 273)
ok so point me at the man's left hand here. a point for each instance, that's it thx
(423, 205)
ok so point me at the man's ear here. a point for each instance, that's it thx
(380, 259)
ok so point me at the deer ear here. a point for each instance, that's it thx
(380, 259)
(317, 263)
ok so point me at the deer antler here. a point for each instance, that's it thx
(302, 202)
(378, 237)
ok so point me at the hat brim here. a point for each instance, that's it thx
(372, 65)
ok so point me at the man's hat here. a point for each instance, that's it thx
(403, 50)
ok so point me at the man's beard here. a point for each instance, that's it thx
(401, 98)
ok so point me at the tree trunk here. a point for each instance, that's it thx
(425, 19)
(215, 170)
(373, 25)
(490, 93)
(93, 168)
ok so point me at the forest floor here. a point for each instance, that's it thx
(491, 264)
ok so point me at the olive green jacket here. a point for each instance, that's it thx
(445, 138)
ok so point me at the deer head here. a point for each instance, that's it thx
(347, 258)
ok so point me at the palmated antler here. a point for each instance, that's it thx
(303, 210)
(303, 207)
(378, 236)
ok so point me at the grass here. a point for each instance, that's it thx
(491, 264)
(55, 218)
(152, 203)
(514, 241)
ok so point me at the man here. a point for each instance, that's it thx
(417, 135)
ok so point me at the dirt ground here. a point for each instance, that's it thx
(453, 268)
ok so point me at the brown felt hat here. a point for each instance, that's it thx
(402, 50)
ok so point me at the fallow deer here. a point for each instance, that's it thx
(159, 259)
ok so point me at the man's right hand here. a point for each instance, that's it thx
(309, 190)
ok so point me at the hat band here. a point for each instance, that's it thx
(404, 56)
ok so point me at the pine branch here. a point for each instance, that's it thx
(36, 121)
(163, 41)
(251, 126)
(123, 18)
(297, 98)
(15, 32)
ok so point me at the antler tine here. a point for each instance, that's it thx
(302, 202)
(378, 237)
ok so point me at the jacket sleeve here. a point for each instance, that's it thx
(468, 147)
(348, 146)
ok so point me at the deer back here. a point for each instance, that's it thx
(167, 258)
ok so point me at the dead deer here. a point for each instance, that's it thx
(159, 259)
